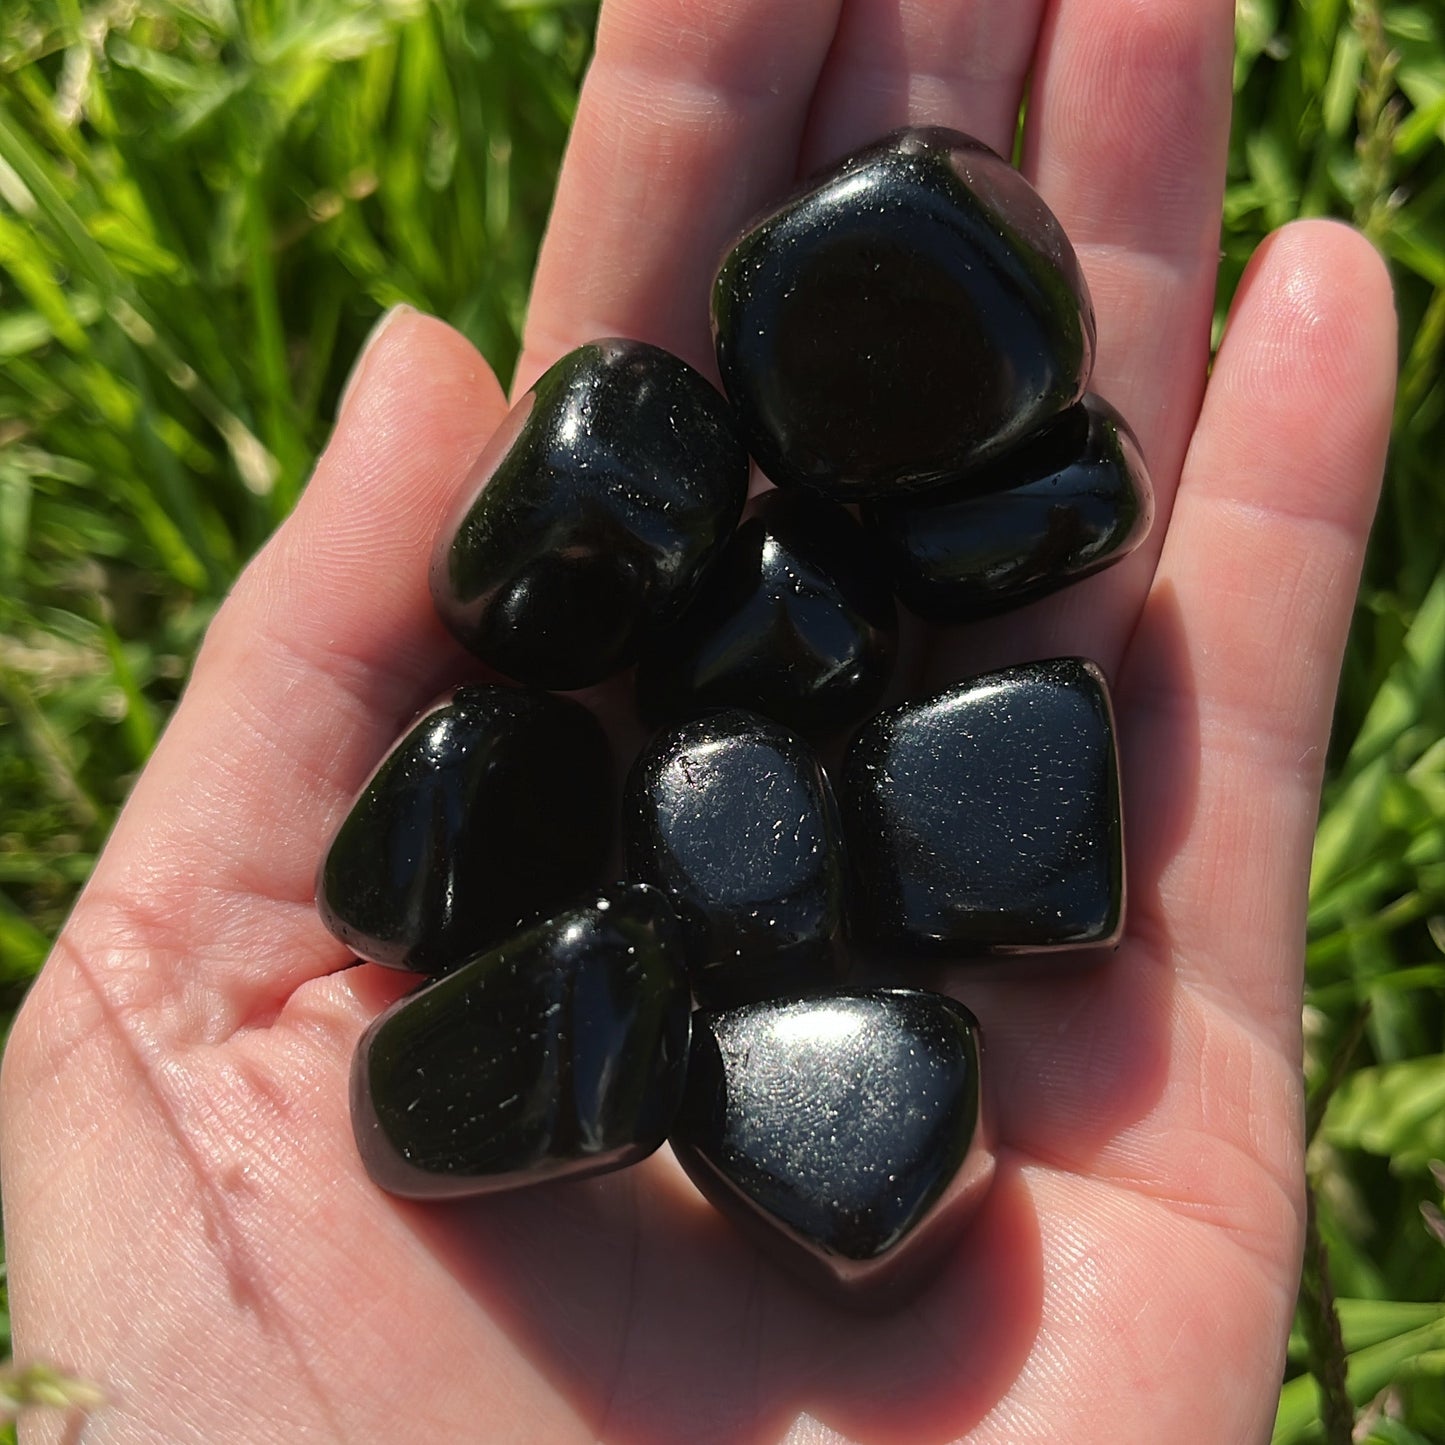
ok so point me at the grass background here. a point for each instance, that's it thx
(204, 204)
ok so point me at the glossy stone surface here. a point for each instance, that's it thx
(562, 1052)
(733, 817)
(495, 808)
(593, 512)
(1066, 504)
(914, 313)
(795, 620)
(986, 819)
(843, 1131)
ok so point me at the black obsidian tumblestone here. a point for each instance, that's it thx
(732, 816)
(986, 819)
(494, 808)
(794, 620)
(844, 1131)
(912, 314)
(562, 1052)
(604, 494)
(1069, 502)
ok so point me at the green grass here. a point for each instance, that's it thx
(203, 207)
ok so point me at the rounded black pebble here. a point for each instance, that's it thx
(562, 1052)
(795, 620)
(843, 1133)
(604, 494)
(733, 818)
(1072, 500)
(986, 819)
(911, 315)
(495, 808)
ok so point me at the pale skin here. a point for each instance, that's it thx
(188, 1222)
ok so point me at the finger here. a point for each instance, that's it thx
(688, 123)
(1126, 137)
(1239, 646)
(1128, 130)
(327, 644)
(917, 62)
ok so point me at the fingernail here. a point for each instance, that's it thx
(384, 323)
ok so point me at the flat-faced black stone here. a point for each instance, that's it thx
(562, 1052)
(912, 314)
(986, 819)
(794, 620)
(495, 808)
(1067, 503)
(595, 508)
(843, 1131)
(732, 816)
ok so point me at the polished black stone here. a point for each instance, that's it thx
(495, 808)
(794, 620)
(732, 816)
(912, 314)
(843, 1130)
(561, 1052)
(986, 819)
(595, 508)
(1068, 503)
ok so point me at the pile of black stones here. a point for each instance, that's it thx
(911, 334)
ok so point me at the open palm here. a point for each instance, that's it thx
(188, 1220)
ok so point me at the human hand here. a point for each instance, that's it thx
(187, 1218)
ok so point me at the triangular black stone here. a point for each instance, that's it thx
(839, 1129)
(795, 620)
